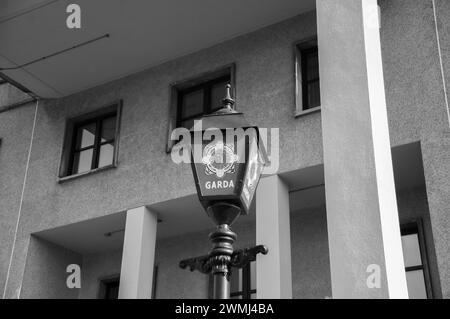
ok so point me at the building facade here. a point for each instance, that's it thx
(355, 93)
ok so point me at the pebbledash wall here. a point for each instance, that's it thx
(265, 93)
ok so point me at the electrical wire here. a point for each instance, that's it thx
(56, 53)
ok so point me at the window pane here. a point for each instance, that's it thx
(236, 280)
(217, 94)
(416, 284)
(106, 155)
(112, 290)
(82, 161)
(411, 250)
(313, 94)
(192, 104)
(188, 124)
(312, 66)
(85, 136)
(252, 275)
(253, 296)
(108, 129)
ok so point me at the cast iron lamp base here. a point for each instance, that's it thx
(222, 258)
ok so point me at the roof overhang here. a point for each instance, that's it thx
(142, 34)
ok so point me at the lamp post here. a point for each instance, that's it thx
(227, 160)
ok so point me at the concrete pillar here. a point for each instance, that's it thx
(138, 256)
(436, 165)
(273, 271)
(366, 257)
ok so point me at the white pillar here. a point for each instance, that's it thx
(273, 271)
(362, 217)
(138, 256)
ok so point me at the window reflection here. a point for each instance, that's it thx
(94, 144)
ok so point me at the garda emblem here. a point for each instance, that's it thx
(219, 159)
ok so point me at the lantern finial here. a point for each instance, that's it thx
(228, 102)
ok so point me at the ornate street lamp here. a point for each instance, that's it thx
(227, 160)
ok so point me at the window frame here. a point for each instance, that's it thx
(193, 81)
(69, 147)
(416, 227)
(207, 87)
(309, 44)
(247, 290)
(104, 283)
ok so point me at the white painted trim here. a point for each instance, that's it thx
(308, 111)
(440, 61)
(21, 200)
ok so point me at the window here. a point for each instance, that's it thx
(416, 265)
(243, 282)
(201, 99)
(195, 97)
(307, 76)
(109, 288)
(91, 142)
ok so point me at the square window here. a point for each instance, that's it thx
(201, 99)
(90, 141)
(193, 98)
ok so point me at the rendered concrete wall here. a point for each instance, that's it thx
(437, 158)
(10, 95)
(265, 92)
(95, 268)
(15, 135)
(413, 81)
(412, 205)
(443, 26)
(436, 162)
(45, 271)
(310, 261)
(311, 276)
(417, 106)
(309, 251)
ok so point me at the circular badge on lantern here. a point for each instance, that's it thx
(219, 159)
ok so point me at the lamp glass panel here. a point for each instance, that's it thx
(253, 172)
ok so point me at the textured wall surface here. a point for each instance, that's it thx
(15, 135)
(436, 162)
(311, 276)
(95, 268)
(413, 81)
(265, 93)
(416, 102)
(45, 275)
(443, 26)
(309, 251)
(310, 263)
(10, 95)
(413, 205)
